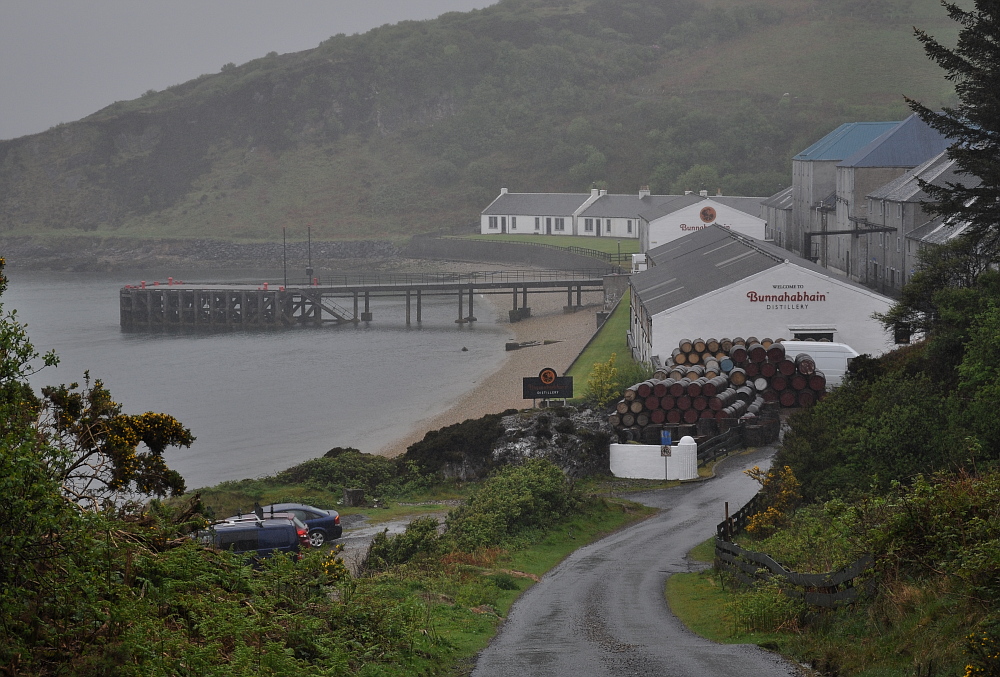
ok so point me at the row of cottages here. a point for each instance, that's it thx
(652, 219)
(715, 282)
(855, 204)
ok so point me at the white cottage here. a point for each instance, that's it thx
(715, 283)
(689, 213)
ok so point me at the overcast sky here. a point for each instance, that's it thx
(61, 60)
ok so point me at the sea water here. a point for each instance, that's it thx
(261, 401)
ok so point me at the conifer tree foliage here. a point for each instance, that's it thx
(973, 125)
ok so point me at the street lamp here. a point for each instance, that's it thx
(309, 269)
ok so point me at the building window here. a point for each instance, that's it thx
(513, 223)
(629, 225)
(588, 225)
(560, 223)
(493, 223)
(898, 242)
(538, 223)
(607, 226)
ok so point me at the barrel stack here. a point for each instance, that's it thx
(708, 386)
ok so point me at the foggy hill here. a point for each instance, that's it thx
(415, 127)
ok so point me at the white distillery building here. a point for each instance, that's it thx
(716, 283)
(696, 211)
(594, 214)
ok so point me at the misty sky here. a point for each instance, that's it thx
(61, 60)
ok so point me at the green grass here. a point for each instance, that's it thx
(608, 245)
(610, 338)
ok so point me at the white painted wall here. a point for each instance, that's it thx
(742, 310)
(689, 219)
(638, 461)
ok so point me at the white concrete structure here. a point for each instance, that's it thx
(715, 283)
(647, 462)
(690, 213)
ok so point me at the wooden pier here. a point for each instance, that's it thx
(342, 299)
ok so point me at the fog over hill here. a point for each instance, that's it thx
(414, 127)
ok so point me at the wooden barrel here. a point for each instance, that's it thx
(712, 372)
(745, 394)
(674, 416)
(714, 385)
(629, 393)
(635, 406)
(657, 416)
(683, 402)
(752, 369)
(684, 345)
(644, 389)
(786, 367)
(806, 398)
(615, 420)
(622, 407)
(698, 345)
(722, 399)
(768, 369)
(695, 386)
(652, 402)
(712, 345)
(788, 398)
(628, 420)
(695, 371)
(668, 402)
(750, 340)
(766, 342)
(726, 365)
(642, 419)
(693, 357)
(756, 353)
(678, 357)
(759, 384)
(699, 403)
(725, 345)
(660, 374)
(779, 382)
(799, 382)
(805, 364)
(817, 381)
(739, 341)
(770, 395)
(738, 354)
(679, 387)
(691, 416)
(677, 373)
(662, 387)
(737, 376)
(776, 352)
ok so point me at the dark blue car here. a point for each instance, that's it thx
(324, 525)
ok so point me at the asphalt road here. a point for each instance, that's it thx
(602, 611)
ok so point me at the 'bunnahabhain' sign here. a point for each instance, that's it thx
(797, 300)
(547, 385)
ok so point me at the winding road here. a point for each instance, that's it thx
(602, 610)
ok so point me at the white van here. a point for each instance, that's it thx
(831, 358)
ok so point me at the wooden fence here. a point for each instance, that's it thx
(831, 589)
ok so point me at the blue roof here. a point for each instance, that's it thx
(845, 140)
(910, 143)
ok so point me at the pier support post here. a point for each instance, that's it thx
(472, 314)
(418, 306)
(367, 315)
(407, 307)
(461, 305)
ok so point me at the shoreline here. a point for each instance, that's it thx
(501, 389)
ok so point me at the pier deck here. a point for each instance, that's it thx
(341, 299)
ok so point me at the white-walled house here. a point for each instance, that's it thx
(714, 282)
(696, 211)
(597, 214)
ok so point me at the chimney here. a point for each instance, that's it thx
(643, 192)
(687, 192)
(703, 193)
(503, 191)
(718, 191)
(604, 192)
(595, 192)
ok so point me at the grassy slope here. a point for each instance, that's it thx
(359, 185)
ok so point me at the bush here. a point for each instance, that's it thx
(420, 538)
(514, 500)
(468, 444)
(349, 468)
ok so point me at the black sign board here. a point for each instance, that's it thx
(547, 385)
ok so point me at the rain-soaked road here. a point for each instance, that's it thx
(602, 611)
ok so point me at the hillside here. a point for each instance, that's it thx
(415, 127)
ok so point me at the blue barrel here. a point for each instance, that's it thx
(726, 365)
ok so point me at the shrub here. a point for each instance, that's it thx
(469, 443)
(420, 538)
(349, 468)
(511, 502)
